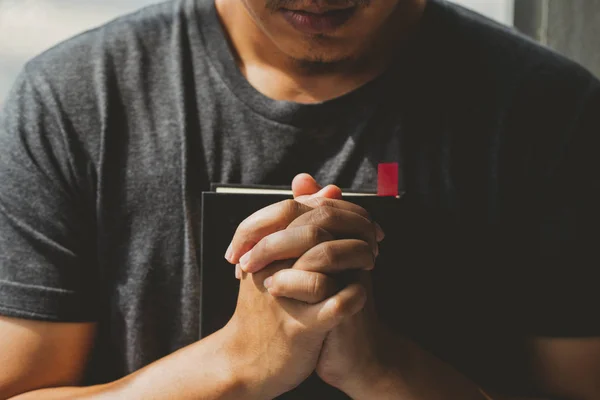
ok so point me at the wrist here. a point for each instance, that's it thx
(379, 383)
(384, 377)
(205, 369)
(246, 373)
(237, 371)
(408, 372)
(234, 380)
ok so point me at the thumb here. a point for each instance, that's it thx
(304, 185)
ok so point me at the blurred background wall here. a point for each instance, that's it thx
(571, 27)
(28, 27)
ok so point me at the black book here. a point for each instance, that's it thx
(223, 210)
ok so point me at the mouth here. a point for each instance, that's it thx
(318, 20)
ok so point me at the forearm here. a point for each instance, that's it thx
(199, 371)
(420, 376)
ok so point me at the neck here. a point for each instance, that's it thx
(281, 77)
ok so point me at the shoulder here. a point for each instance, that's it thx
(117, 66)
(91, 81)
(115, 44)
(485, 50)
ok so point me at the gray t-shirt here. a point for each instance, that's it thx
(108, 140)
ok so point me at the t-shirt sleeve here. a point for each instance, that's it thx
(564, 291)
(47, 263)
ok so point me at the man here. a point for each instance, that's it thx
(107, 141)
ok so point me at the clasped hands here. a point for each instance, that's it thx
(305, 300)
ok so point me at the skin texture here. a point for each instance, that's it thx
(252, 357)
(305, 320)
(347, 43)
(285, 64)
(360, 356)
(33, 354)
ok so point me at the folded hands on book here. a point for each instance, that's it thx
(306, 295)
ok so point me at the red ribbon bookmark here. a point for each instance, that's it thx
(387, 179)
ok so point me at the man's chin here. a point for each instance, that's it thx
(316, 64)
(323, 59)
(316, 50)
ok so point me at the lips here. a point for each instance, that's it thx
(318, 20)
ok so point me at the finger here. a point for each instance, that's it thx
(258, 279)
(274, 218)
(320, 201)
(316, 201)
(306, 189)
(304, 185)
(329, 192)
(268, 220)
(305, 286)
(283, 245)
(341, 223)
(238, 272)
(332, 311)
(379, 231)
(337, 256)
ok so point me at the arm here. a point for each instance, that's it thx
(563, 368)
(47, 272)
(36, 364)
(48, 259)
(31, 357)
(561, 260)
(250, 358)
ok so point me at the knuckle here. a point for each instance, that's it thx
(325, 214)
(263, 246)
(242, 229)
(316, 286)
(344, 307)
(277, 285)
(317, 234)
(327, 254)
(320, 202)
(338, 307)
(289, 207)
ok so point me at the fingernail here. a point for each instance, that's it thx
(238, 272)
(380, 233)
(229, 252)
(268, 282)
(244, 261)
